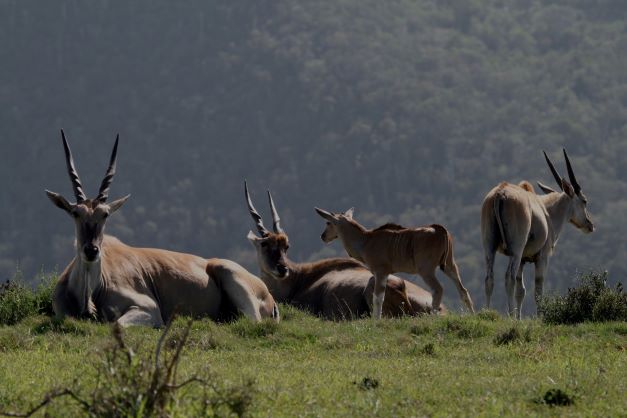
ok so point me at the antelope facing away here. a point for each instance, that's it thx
(337, 288)
(395, 249)
(111, 281)
(524, 226)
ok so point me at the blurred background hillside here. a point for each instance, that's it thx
(411, 111)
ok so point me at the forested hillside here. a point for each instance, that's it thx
(411, 111)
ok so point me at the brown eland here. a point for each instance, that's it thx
(395, 249)
(336, 288)
(111, 281)
(517, 222)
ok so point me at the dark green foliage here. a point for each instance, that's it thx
(557, 397)
(512, 335)
(18, 300)
(591, 300)
(488, 315)
(367, 383)
(428, 349)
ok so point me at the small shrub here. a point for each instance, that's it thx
(419, 329)
(19, 301)
(129, 384)
(591, 300)
(488, 315)
(512, 335)
(16, 303)
(557, 397)
(428, 349)
(367, 383)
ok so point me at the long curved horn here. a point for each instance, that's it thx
(103, 194)
(276, 220)
(571, 173)
(76, 181)
(253, 212)
(556, 175)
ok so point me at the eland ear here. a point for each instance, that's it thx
(568, 188)
(117, 204)
(546, 189)
(252, 237)
(349, 213)
(325, 215)
(59, 201)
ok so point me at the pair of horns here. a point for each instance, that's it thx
(276, 220)
(571, 173)
(103, 193)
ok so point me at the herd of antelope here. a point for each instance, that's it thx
(111, 281)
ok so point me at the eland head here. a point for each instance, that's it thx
(271, 246)
(333, 220)
(90, 215)
(578, 212)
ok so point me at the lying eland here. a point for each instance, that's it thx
(111, 281)
(525, 226)
(395, 249)
(337, 288)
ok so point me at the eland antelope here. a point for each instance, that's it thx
(336, 288)
(525, 226)
(394, 249)
(111, 281)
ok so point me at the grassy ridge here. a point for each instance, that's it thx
(482, 365)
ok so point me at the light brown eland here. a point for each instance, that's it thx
(336, 288)
(111, 281)
(525, 226)
(396, 249)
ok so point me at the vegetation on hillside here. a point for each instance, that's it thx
(408, 110)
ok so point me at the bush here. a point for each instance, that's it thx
(133, 383)
(592, 300)
(19, 301)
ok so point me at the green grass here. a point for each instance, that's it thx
(481, 365)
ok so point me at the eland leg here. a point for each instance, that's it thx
(436, 290)
(510, 281)
(489, 278)
(541, 267)
(378, 295)
(136, 315)
(246, 292)
(520, 290)
(452, 271)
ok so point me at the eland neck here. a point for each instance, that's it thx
(559, 209)
(85, 280)
(353, 237)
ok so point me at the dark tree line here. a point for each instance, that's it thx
(408, 110)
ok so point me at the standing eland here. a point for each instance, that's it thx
(111, 281)
(395, 249)
(336, 288)
(525, 226)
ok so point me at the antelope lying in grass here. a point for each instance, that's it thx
(111, 281)
(395, 249)
(524, 226)
(338, 288)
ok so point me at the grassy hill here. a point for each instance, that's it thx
(480, 365)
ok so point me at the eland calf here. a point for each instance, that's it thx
(525, 226)
(395, 249)
(336, 288)
(111, 281)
